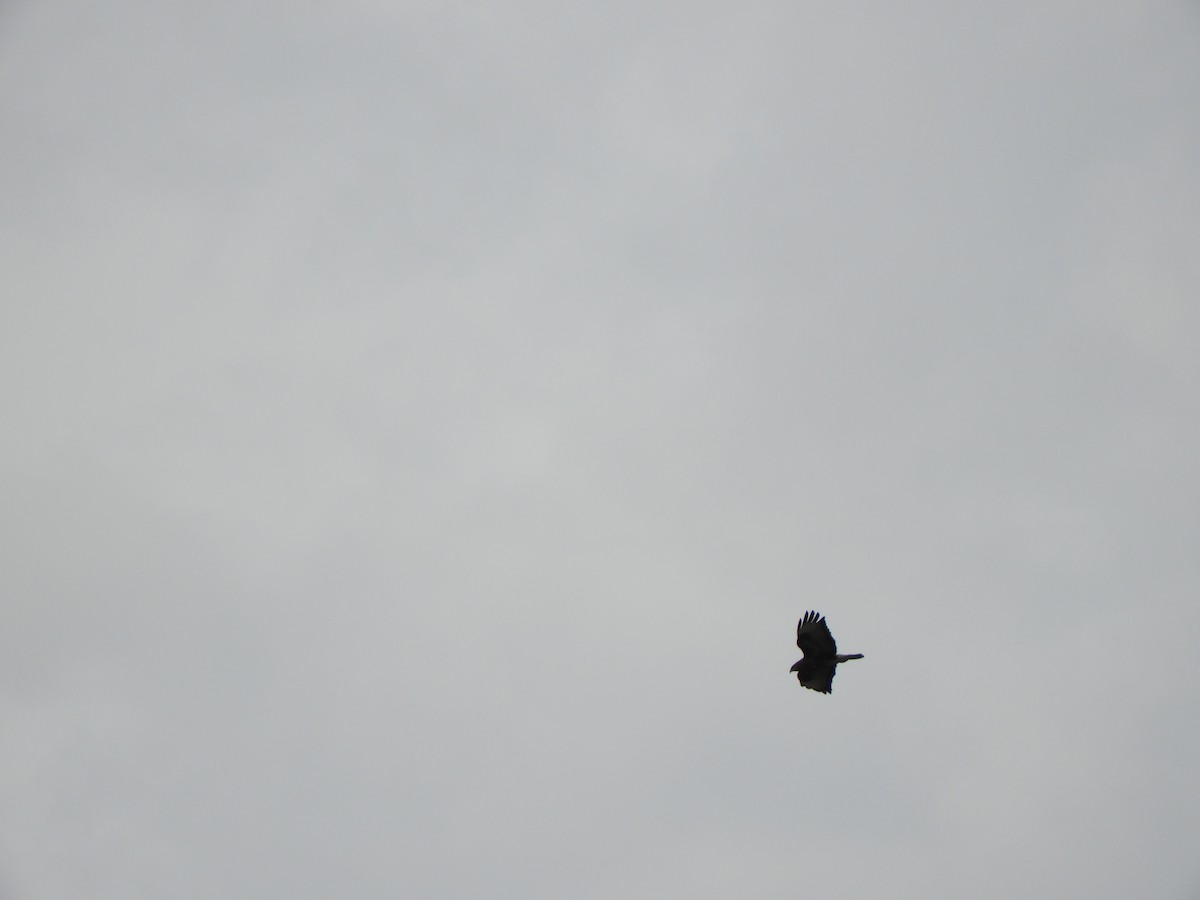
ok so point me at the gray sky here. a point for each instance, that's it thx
(425, 423)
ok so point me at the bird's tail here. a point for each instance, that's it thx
(842, 657)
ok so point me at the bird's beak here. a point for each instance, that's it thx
(794, 668)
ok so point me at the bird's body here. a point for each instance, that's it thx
(816, 670)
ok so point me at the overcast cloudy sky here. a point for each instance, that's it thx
(426, 421)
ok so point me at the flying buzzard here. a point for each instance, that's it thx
(815, 671)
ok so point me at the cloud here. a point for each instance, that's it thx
(426, 426)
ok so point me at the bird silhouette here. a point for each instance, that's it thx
(820, 661)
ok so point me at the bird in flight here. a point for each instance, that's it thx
(815, 671)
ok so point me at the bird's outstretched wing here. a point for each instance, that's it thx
(814, 638)
(816, 674)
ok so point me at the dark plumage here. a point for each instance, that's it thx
(816, 670)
